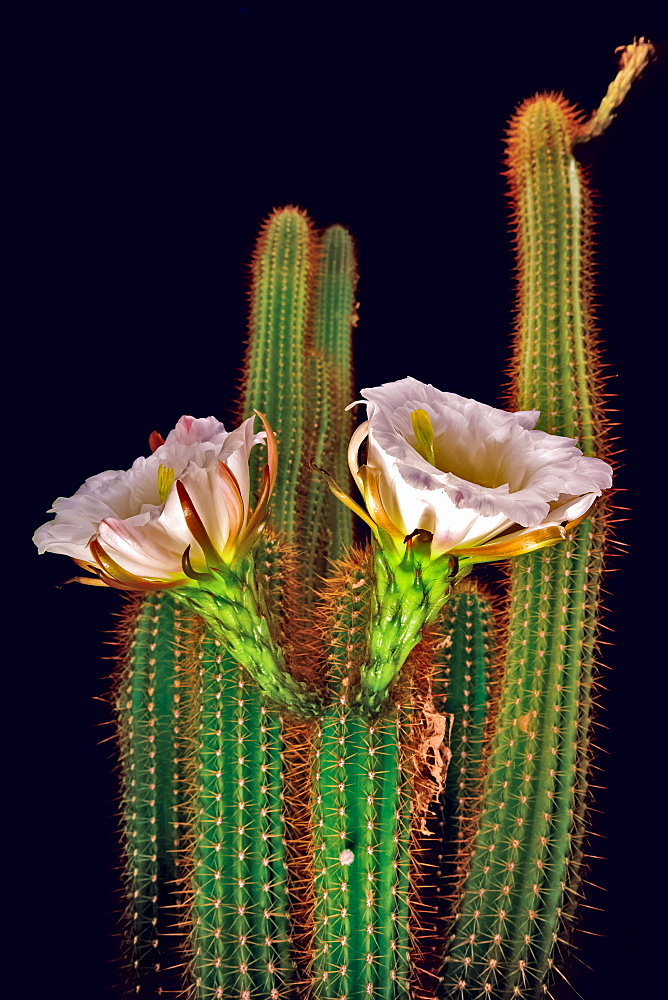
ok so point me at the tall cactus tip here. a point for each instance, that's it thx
(530, 126)
(284, 211)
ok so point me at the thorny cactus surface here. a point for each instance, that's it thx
(283, 846)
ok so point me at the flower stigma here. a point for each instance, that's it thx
(423, 430)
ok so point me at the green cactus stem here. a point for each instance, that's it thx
(330, 530)
(360, 824)
(298, 372)
(524, 869)
(240, 936)
(301, 316)
(465, 686)
(361, 864)
(508, 914)
(276, 370)
(150, 701)
(373, 784)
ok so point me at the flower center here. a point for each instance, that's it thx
(424, 435)
(165, 480)
(483, 465)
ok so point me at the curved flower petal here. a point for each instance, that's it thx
(148, 545)
(256, 519)
(114, 575)
(236, 454)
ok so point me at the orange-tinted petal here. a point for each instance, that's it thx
(272, 450)
(344, 498)
(370, 479)
(257, 518)
(155, 439)
(234, 503)
(116, 576)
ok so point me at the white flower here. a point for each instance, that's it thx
(190, 496)
(468, 473)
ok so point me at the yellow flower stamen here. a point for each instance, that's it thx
(424, 435)
(165, 480)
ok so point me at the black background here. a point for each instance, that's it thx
(149, 151)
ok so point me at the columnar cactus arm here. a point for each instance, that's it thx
(504, 908)
(330, 523)
(465, 683)
(149, 702)
(239, 938)
(528, 847)
(360, 819)
(276, 371)
(563, 876)
(552, 361)
(298, 372)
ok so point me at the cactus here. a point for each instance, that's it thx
(359, 820)
(239, 901)
(523, 874)
(150, 702)
(279, 344)
(288, 706)
(330, 533)
(466, 682)
(279, 379)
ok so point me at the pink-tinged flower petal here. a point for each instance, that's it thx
(144, 549)
(190, 431)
